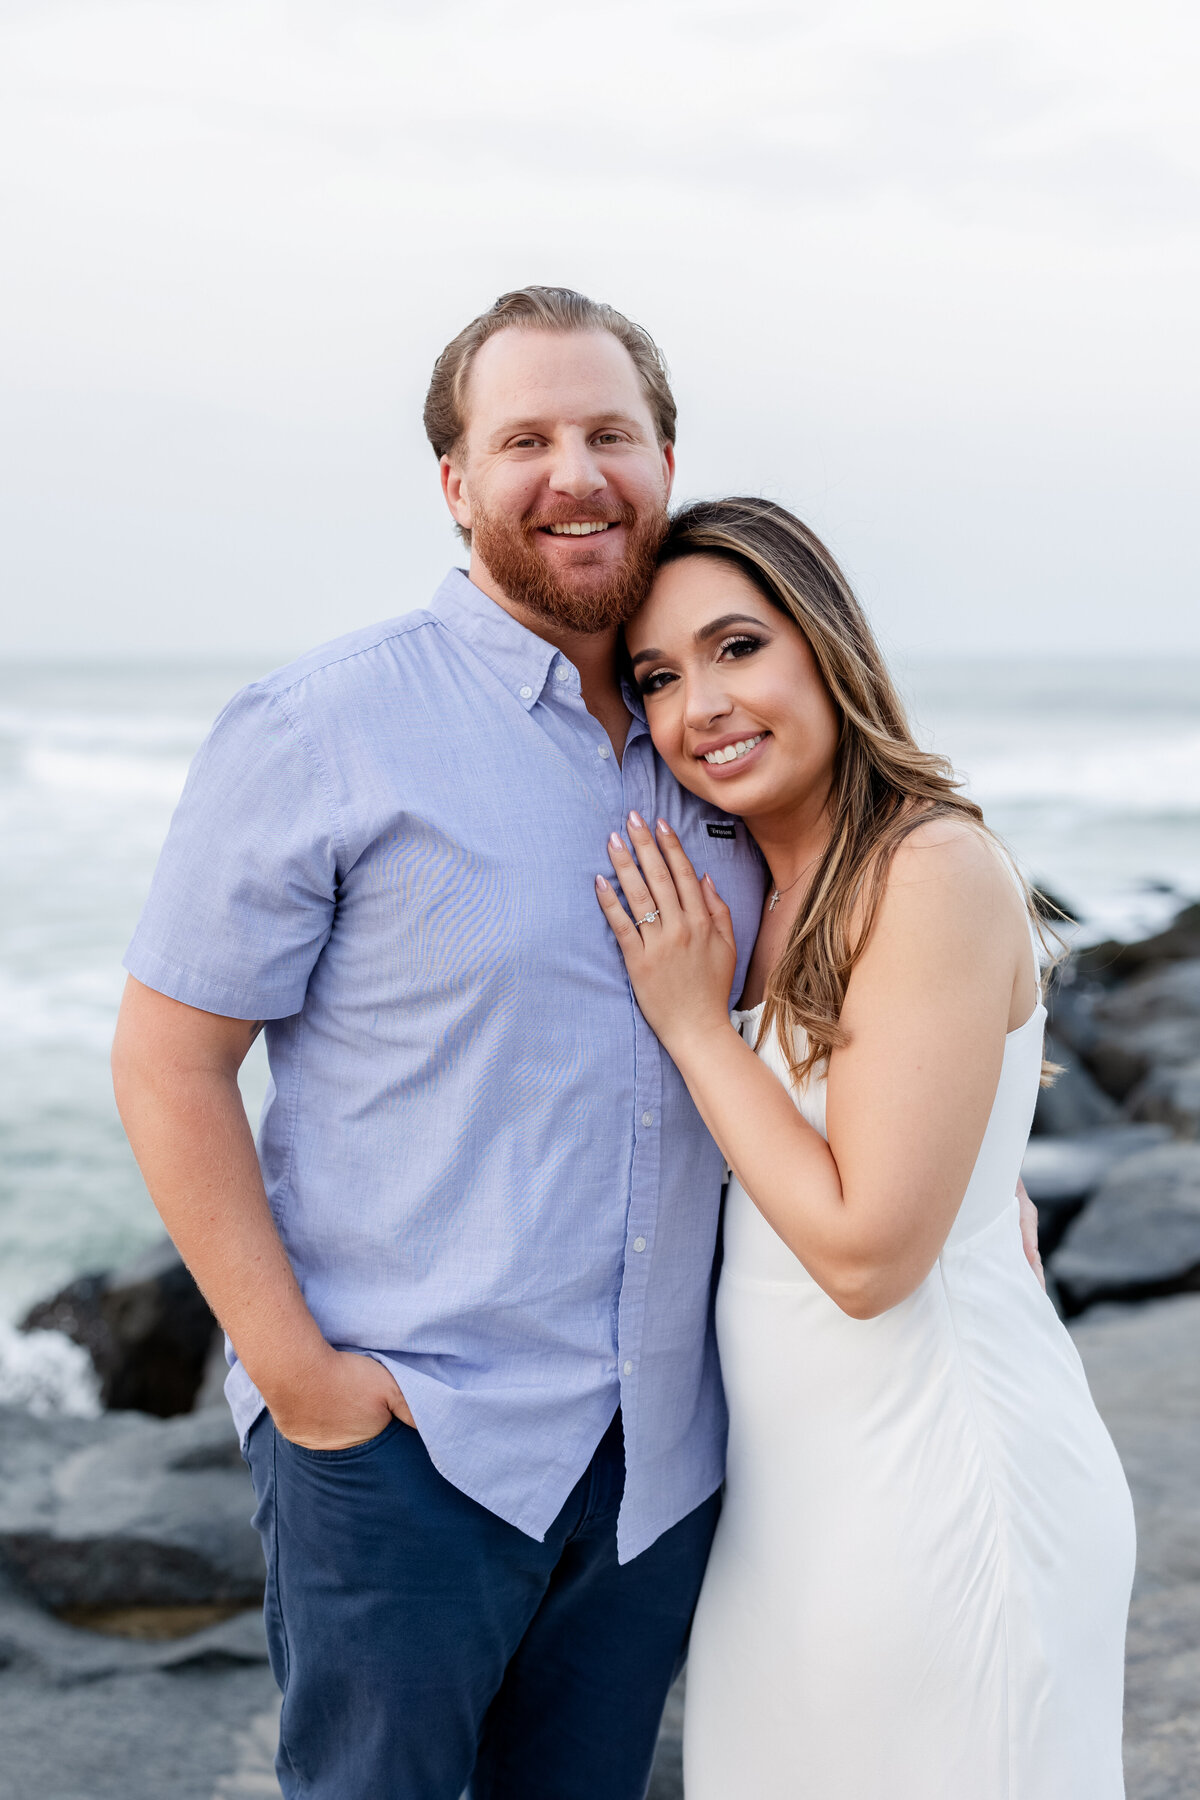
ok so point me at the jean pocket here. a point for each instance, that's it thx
(351, 1450)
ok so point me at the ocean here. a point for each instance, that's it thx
(1090, 770)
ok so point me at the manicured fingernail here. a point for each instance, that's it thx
(602, 884)
(665, 828)
(637, 821)
(707, 877)
(615, 841)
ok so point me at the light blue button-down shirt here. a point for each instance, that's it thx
(483, 1168)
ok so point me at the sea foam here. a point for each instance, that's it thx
(44, 1373)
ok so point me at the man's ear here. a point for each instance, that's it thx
(454, 487)
(668, 456)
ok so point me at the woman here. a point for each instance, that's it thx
(920, 1579)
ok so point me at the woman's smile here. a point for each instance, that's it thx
(731, 755)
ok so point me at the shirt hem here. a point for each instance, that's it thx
(191, 989)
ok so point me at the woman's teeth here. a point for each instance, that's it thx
(731, 752)
(581, 529)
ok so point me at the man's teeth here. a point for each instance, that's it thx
(731, 752)
(580, 528)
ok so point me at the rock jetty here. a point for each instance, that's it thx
(1114, 1164)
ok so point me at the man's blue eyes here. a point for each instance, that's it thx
(607, 437)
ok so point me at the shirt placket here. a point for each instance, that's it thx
(642, 1218)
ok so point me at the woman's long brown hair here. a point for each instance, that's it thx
(884, 784)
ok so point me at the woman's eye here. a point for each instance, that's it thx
(739, 646)
(655, 682)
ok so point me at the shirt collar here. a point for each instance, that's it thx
(516, 656)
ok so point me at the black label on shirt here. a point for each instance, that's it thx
(718, 829)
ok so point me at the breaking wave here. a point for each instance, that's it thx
(44, 1373)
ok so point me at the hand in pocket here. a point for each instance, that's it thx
(349, 1399)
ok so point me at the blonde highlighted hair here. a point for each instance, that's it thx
(884, 784)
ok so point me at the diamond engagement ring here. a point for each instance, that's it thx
(650, 917)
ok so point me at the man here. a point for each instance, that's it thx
(466, 1277)
(470, 1280)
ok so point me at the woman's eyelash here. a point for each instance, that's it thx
(741, 644)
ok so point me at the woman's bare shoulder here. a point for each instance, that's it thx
(948, 871)
(950, 850)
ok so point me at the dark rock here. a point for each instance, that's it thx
(1169, 992)
(75, 1311)
(1169, 1096)
(127, 1511)
(163, 1328)
(1071, 1168)
(1060, 1173)
(1147, 1023)
(1070, 1007)
(1139, 1235)
(1121, 1058)
(1074, 1102)
(147, 1328)
(1113, 961)
(30, 1637)
(1123, 1037)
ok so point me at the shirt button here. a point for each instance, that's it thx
(527, 693)
(605, 752)
(562, 673)
(627, 1368)
(647, 1118)
(639, 1244)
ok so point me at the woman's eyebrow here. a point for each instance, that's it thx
(705, 632)
(702, 635)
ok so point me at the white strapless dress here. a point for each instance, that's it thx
(920, 1579)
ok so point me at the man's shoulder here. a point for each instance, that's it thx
(360, 658)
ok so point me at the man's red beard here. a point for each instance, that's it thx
(507, 549)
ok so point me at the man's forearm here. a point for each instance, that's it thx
(193, 1144)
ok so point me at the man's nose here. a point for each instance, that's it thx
(575, 470)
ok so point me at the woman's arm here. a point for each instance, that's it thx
(926, 1012)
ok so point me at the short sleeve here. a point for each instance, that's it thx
(242, 900)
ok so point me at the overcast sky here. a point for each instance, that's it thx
(927, 272)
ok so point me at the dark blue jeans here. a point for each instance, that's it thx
(421, 1643)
